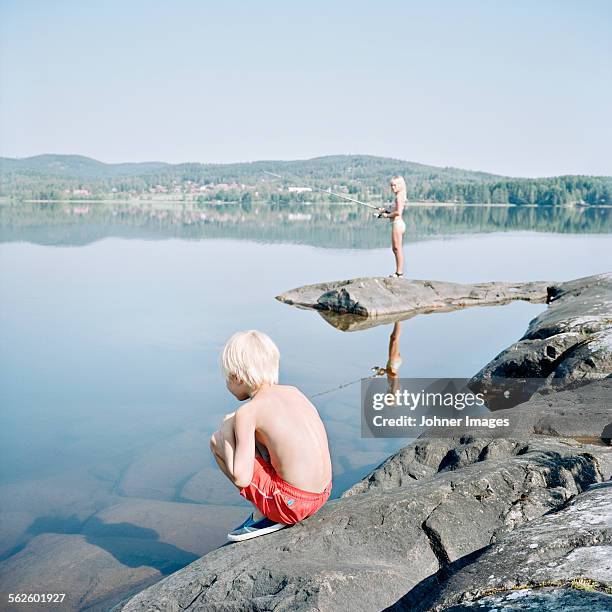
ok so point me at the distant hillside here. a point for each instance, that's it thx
(362, 166)
(76, 166)
(363, 176)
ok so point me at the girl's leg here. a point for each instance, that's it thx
(396, 247)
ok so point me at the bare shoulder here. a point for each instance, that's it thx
(285, 394)
(247, 408)
(298, 393)
(301, 399)
(290, 388)
(278, 390)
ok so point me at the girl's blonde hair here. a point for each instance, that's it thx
(402, 185)
(251, 357)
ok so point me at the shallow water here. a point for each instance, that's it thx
(109, 376)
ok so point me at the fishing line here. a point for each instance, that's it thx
(347, 384)
(342, 386)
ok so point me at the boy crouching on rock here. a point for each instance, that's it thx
(273, 448)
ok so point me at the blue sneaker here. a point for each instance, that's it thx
(251, 529)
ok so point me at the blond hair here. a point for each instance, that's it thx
(251, 357)
(402, 185)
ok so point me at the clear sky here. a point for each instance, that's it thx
(516, 87)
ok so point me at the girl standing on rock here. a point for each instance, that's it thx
(398, 227)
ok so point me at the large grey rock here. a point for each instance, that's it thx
(381, 297)
(364, 551)
(566, 345)
(571, 547)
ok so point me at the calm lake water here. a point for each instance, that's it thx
(111, 325)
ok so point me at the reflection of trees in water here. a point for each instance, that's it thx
(325, 225)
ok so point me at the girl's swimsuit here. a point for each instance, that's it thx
(276, 499)
(399, 222)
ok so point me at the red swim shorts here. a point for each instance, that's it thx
(278, 500)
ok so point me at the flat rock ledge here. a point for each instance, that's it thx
(383, 297)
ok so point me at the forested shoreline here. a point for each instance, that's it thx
(61, 177)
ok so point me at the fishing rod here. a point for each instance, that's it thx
(330, 192)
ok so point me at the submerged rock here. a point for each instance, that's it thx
(116, 552)
(161, 471)
(87, 571)
(191, 528)
(551, 599)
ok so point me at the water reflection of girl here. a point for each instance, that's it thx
(391, 370)
(398, 227)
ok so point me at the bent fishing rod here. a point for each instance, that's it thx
(330, 192)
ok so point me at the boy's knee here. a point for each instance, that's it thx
(227, 427)
(214, 443)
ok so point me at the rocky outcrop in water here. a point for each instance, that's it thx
(381, 297)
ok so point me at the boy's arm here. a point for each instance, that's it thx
(244, 455)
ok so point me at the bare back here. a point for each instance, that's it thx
(290, 428)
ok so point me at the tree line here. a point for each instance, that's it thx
(363, 177)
